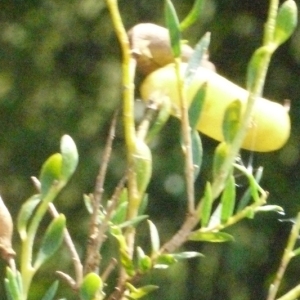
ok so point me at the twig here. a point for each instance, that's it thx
(287, 256)
(112, 264)
(92, 259)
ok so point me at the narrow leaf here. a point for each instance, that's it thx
(12, 284)
(206, 205)
(25, 214)
(91, 287)
(144, 261)
(197, 58)
(232, 120)
(187, 255)
(228, 199)
(172, 23)
(50, 293)
(133, 221)
(196, 106)
(213, 237)
(51, 241)
(193, 15)
(155, 242)
(197, 152)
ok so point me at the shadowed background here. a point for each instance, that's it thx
(60, 72)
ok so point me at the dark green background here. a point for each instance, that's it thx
(60, 73)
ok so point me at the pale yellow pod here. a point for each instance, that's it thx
(270, 125)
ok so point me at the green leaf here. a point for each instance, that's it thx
(196, 106)
(245, 200)
(50, 173)
(267, 208)
(138, 293)
(286, 22)
(186, 255)
(13, 284)
(143, 205)
(133, 222)
(51, 241)
(164, 261)
(69, 157)
(50, 293)
(206, 205)
(119, 216)
(193, 15)
(155, 242)
(228, 199)
(144, 261)
(25, 214)
(213, 237)
(197, 152)
(91, 287)
(197, 58)
(256, 64)
(220, 156)
(232, 120)
(88, 203)
(172, 23)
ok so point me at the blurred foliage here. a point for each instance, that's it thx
(60, 73)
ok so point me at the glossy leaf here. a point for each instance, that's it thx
(186, 255)
(172, 23)
(232, 121)
(144, 261)
(50, 293)
(164, 261)
(228, 199)
(286, 22)
(206, 205)
(51, 241)
(193, 15)
(69, 157)
(213, 237)
(25, 214)
(197, 152)
(50, 173)
(91, 286)
(197, 58)
(155, 242)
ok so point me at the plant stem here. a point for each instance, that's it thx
(187, 142)
(287, 256)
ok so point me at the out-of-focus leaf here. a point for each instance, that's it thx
(193, 15)
(51, 241)
(138, 293)
(119, 216)
(133, 221)
(25, 214)
(172, 23)
(50, 293)
(206, 205)
(228, 199)
(213, 237)
(186, 255)
(91, 287)
(144, 261)
(13, 284)
(155, 242)
(232, 120)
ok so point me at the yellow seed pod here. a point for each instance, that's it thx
(270, 124)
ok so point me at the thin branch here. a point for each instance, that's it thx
(92, 260)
